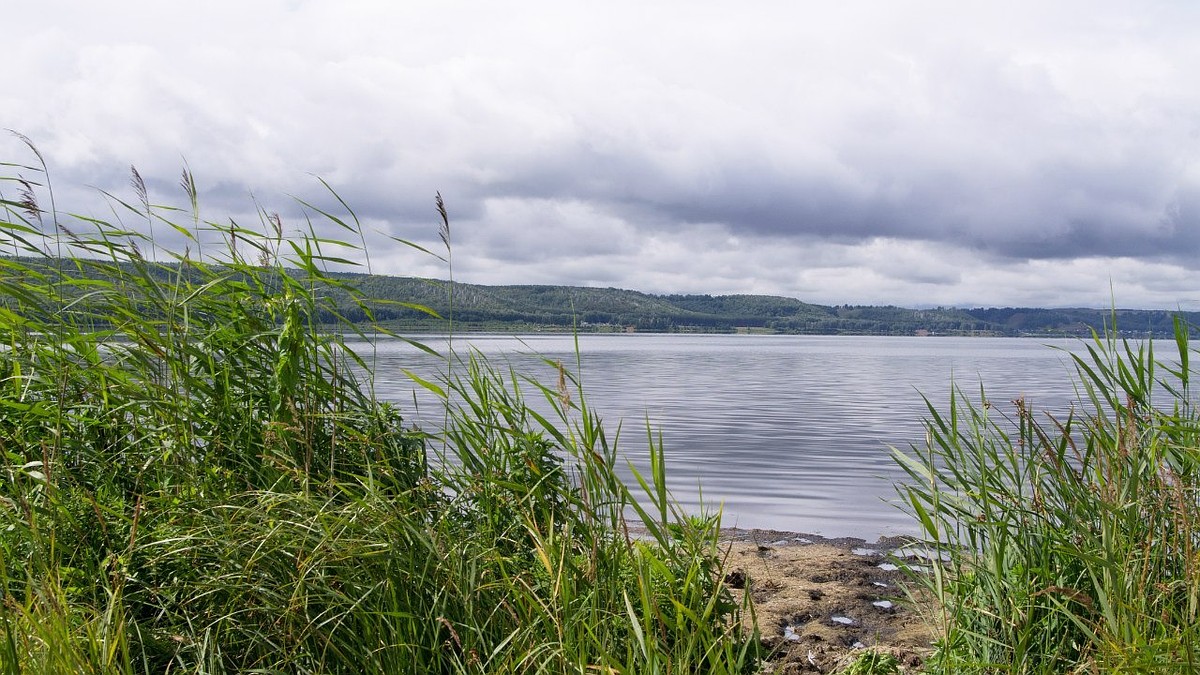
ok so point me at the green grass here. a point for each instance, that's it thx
(1069, 544)
(872, 662)
(196, 477)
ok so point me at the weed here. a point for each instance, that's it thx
(196, 476)
(1067, 544)
(873, 662)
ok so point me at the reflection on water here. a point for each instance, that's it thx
(787, 432)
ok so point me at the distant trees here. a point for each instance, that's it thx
(567, 307)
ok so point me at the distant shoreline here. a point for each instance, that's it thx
(425, 305)
(560, 331)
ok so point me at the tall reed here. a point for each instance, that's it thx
(1067, 544)
(197, 477)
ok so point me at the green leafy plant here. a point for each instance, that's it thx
(873, 662)
(1067, 544)
(196, 476)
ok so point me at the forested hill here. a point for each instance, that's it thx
(477, 307)
(563, 308)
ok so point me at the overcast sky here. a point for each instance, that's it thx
(912, 153)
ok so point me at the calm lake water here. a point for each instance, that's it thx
(785, 432)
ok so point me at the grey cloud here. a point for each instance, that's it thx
(1054, 210)
(931, 148)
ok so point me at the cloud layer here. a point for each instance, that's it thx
(917, 154)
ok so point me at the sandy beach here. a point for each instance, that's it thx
(819, 600)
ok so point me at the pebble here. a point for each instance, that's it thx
(887, 567)
(843, 620)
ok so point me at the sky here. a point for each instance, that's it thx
(1023, 153)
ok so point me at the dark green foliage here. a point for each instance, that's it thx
(608, 309)
(415, 304)
(197, 478)
(1083, 322)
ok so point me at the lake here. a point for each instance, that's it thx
(784, 432)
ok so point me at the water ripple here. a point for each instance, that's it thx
(788, 432)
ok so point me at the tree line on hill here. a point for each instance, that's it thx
(545, 307)
(395, 302)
